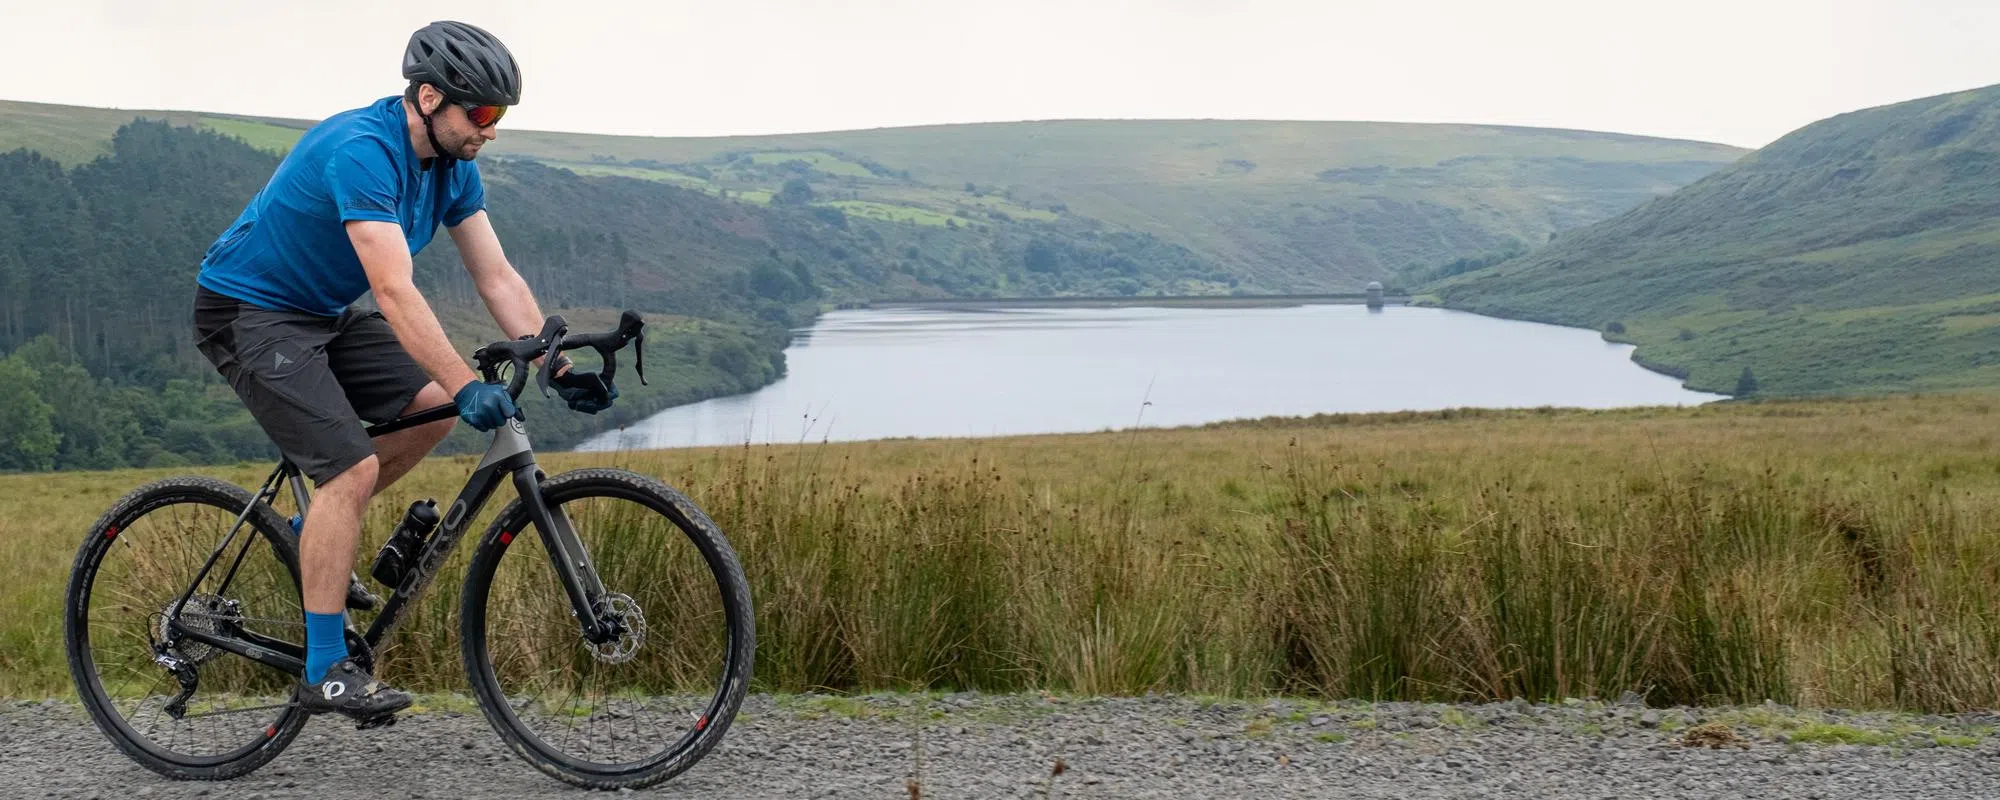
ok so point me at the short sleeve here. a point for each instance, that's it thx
(468, 194)
(362, 180)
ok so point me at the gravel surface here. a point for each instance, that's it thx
(957, 746)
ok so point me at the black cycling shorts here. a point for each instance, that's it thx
(309, 380)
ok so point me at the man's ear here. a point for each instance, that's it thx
(429, 99)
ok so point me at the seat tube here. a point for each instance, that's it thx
(300, 495)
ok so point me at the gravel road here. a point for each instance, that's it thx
(967, 746)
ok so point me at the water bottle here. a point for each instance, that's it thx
(399, 554)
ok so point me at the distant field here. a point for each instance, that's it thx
(894, 213)
(70, 134)
(259, 135)
(828, 163)
(1815, 553)
(660, 175)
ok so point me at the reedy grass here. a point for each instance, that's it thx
(1826, 553)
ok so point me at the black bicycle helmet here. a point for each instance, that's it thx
(466, 63)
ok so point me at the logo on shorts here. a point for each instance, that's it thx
(282, 361)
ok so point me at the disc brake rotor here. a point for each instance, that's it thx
(631, 620)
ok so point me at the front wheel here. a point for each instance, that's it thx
(638, 709)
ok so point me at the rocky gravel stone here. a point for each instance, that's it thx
(967, 745)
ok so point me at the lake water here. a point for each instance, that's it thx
(920, 372)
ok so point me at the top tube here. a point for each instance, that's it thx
(424, 417)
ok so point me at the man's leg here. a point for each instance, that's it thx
(332, 531)
(326, 559)
(400, 451)
(335, 682)
(278, 365)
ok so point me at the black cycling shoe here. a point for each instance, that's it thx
(349, 690)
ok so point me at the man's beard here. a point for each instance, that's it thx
(463, 148)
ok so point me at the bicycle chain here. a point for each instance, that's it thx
(295, 624)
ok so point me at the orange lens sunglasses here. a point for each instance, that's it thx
(483, 116)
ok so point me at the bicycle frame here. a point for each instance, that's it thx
(509, 457)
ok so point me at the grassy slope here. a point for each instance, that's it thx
(1854, 254)
(1281, 205)
(1248, 194)
(71, 134)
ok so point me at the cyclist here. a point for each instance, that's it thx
(360, 194)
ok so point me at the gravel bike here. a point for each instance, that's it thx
(610, 649)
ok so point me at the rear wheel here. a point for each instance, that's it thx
(637, 709)
(177, 706)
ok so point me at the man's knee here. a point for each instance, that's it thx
(358, 478)
(432, 396)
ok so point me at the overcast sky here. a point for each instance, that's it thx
(1742, 72)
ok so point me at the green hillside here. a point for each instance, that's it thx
(1860, 253)
(1275, 206)
(1282, 205)
(97, 263)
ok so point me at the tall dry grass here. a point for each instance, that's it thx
(1838, 553)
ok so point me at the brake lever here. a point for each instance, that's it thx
(630, 329)
(630, 326)
(549, 360)
(639, 357)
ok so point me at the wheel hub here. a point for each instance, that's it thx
(204, 612)
(631, 622)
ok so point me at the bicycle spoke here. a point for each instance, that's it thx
(139, 578)
(624, 702)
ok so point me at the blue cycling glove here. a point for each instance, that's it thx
(484, 406)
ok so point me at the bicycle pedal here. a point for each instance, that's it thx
(384, 721)
(358, 596)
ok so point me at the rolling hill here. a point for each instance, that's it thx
(1859, 253)
(728, 243)
(1274, 206)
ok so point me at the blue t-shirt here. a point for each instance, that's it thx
(289, 250)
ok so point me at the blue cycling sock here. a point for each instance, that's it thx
(298, 524)
(326, 643)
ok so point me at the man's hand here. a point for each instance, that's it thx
(584, 391)
(484, 406)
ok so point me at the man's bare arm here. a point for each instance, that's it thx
(385, 257)
(506, 294)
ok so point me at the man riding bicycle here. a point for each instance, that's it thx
(347, 209)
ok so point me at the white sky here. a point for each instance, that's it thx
(1737, 71)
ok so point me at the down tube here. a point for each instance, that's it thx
(478, 489)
